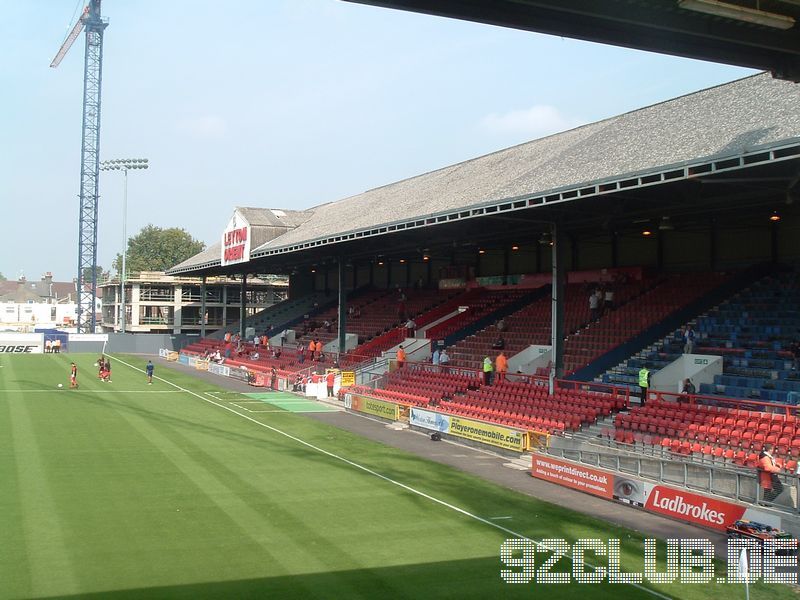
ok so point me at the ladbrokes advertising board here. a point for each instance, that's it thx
(683, 505)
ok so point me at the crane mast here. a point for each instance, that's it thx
(94, 24)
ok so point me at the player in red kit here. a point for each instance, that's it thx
(73, 375)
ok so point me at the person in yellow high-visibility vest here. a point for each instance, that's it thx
(488, 368)
(644, 382)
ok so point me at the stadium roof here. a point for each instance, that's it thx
(655, 25)
(739, 125)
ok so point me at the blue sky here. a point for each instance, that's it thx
(279, 103)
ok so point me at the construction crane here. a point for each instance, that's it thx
(94, 24)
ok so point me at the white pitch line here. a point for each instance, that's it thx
(365, 469)
(84, 390)
(499, 518)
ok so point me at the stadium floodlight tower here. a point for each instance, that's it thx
(92, 21)
(123, 164)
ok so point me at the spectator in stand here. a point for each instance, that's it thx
(227, 337)
(301, 353)
(318, 349)
(488, 369)
(499, 344)
(501, 325)
(284, 337)
(401, 357)
(330, 380)
(688, 388)
(357, 312)
(593, 310)
(312, 348)
(276, 352)
(644, 382)
(411, 327)
(599, 295)
(255, 355)
(444, 361)
(501, 365)
(794, 348)
(350, 310)
(688, 340)
(608, 302)
(327, 325)
(768, 474)
(256, 342)
(435, 357)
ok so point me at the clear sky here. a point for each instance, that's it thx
(281, 104)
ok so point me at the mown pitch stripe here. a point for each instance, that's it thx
(365, 469)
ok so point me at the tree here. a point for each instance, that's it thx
(101, 274)
(2, 278)
(156, 249)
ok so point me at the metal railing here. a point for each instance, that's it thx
(737, 484)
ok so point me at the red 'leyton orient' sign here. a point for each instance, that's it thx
(236, 242)
(686, 506)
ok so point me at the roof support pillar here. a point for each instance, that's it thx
(573, 248)
(614, 249)
(430, 272)
(538, 258)
(712, 246)
(243, 306)
(203, 307)
(557, 300)
(773, 239)
(342, 310)
(506, 261)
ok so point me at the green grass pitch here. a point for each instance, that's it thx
(128, 490)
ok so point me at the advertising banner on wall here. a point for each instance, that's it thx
(699, 509)
(236, 241)
(494, 435)
(428, 419)
(575, 476)
(371, 406)
(21, 343)
(348, 378)
(223, 370)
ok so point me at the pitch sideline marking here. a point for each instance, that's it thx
(85, 390)
(365, 469)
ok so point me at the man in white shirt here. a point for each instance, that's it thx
(593, 311)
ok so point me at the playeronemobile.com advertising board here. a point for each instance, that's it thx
(679, 504)
(478, 431)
